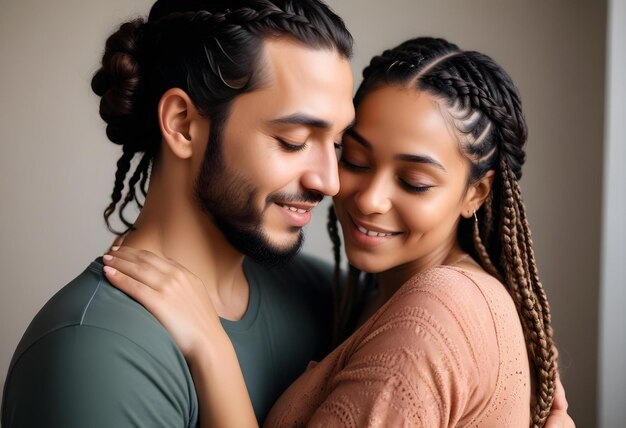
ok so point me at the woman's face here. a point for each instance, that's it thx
(403, 183)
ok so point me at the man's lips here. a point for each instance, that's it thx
(299, 208)
(298, 214)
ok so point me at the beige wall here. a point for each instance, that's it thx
(57, 167)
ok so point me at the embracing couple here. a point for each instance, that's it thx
(240, 118)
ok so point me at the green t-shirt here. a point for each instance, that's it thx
(93, 357)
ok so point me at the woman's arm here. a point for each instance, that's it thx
(179, 300)
(409, 365)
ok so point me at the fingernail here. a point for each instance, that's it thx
(115, 248)
(107, 257)
(109, 270)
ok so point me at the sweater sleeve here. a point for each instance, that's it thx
(415, 363)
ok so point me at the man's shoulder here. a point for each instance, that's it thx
(89, 301)
(105, 351)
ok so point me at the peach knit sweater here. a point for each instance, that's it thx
(446, 350)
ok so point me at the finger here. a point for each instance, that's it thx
(560, 401)
(559, 419)
(142, 257)
(138, 291)
(137, 270)
(169, 267)
(119, 240)
(554, 421)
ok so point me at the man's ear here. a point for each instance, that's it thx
(179, 120)
(477, 193)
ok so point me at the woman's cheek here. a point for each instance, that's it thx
(420, 213)
(347, 183)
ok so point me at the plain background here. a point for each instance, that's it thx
(57, 166)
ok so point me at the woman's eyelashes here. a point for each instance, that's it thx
(421, 188)
(352, 165)
(353, 159)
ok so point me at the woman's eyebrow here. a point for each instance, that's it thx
(358, 138)
(402, 157)
(421, 159)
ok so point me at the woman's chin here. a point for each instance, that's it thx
(366, 264)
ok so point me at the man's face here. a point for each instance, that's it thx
(274, 159)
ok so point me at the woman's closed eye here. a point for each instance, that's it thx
(354, 166)
(353, 160)
(415, 182)
(415, 188)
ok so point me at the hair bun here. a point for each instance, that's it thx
(118, 82)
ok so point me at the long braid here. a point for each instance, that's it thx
(145, 175)
(349, 293)
(487, 208)
(333, 232)
(483, 254)
(540, 292)
(530, 298)
(131, 194)
(123, 166)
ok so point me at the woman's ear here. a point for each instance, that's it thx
(477, 194)
(179, 120)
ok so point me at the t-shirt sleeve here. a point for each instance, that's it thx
(415, 364)
(82, 376)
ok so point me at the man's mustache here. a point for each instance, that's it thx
(304, 196)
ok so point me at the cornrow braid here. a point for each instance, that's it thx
(212, 50)
(483, 105)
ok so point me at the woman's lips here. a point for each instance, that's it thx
(368, 234)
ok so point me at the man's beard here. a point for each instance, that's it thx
(230, 200)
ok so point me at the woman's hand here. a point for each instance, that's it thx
(180, 301)
(174, 295)
(558, 414)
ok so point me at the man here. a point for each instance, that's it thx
(238, 109)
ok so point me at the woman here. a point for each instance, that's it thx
(457, 329)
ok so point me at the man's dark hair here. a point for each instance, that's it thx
(212, 51)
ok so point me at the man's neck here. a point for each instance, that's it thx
(170, 225)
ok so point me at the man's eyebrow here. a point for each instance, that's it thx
(302, 119)
(421, 159)
(403, 157)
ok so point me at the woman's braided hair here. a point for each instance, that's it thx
(484, 107)
(209, 48)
